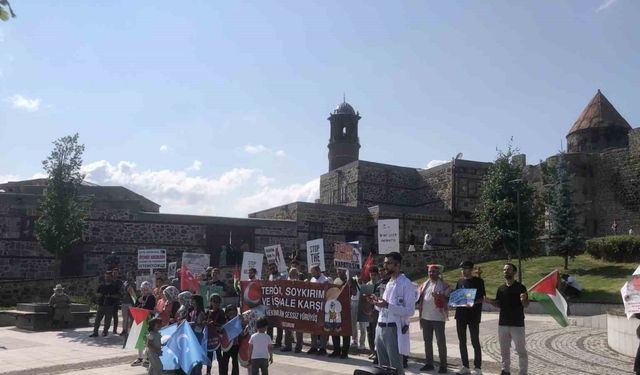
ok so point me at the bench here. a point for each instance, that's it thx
(38, 316)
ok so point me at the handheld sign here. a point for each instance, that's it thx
(315, 254)
(388, 236)
(152, 259)
(274, 255)
(462, 297)
(251, 260)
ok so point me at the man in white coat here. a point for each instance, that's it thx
(396, 306)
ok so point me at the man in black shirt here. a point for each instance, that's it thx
(511, 299)
(470, 316)
(107, 298)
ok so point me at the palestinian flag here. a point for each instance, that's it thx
(139, 328)
(546, 292)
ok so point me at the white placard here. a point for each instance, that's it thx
(251, 260)
(388, 236)
(315, 254)
(152, 259)
(195, 263)
(274, 255)
(171, 270)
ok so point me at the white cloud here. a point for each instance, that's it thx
(21, 102)
(271, 197)
(258, 149)
(164, 148)
(606, 4)
(195, 166)
(8, 177)
(262, 149)
(435, 163)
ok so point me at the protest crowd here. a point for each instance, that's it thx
(367, 310)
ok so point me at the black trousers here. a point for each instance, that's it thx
(474, 332)
(346, 343)
(278, 335)
(115, 318)
(223, 359)
(105, 312)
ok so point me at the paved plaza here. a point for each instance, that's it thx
(552, 350)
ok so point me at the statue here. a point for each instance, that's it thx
(427, 242)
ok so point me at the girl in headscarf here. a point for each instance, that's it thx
(185, 307)
(171, 305)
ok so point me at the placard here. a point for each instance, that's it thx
(152, 259)
(171, 270)
(315, 254)
(195, 263)
(347, 256)
(320, 309)
(388, 236)
(274, 255)
(251, 260)
(464, 297)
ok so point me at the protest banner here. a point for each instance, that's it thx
(171, 269)
(274, 255)
(464, 297)
(316, 308)
(152, 259)
(315, 254)
(347, 256)
(193, 265)
(251, 260)
(388, 236)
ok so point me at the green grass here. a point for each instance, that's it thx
(601, 280)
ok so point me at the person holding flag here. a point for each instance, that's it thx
(511, 299)
(546, 292)
(146, 301)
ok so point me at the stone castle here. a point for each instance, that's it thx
(603, 155)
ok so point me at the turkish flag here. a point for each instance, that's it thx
(188, 280)
(365, 267)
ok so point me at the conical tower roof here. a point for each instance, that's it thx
(599, 113)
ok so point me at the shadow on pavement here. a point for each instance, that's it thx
(111, 340)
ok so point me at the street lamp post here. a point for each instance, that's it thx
(519, 231)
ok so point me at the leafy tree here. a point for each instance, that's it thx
(62, 209)
(563, 232)
(5, 10)
(496, 215)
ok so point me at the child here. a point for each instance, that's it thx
(231, 311)
(61, 305)
(197, 322)
(215, 319)
(154, 347)
(260, 349)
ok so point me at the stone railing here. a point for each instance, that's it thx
(621, 332)
(13, 292)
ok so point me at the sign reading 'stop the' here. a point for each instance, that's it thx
(152, 259)
(388, 236)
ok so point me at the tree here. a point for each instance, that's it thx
(496, 214)
(5, 10)
(563, 232)
(62, 209)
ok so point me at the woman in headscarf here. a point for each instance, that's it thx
(171, 305)
(185, 307)
(146, 301)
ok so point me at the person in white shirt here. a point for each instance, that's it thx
(396, 306)
(318, 342)
(432, 307)
(260, 350)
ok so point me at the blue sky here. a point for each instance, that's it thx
(220, 107)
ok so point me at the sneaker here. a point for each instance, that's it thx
(477, 371)
(443, 370)
(362, 347)
(322, 352)
(145, 363)
(427, 367)
(505, 372)
(463, 371)
(344, 355)
(104, 334)
(334, 354)
(312, 351)
(137, 362)
(123, 333)
(93, 335)
(285, 349)
(372, 355)
(297, 350)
